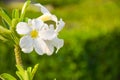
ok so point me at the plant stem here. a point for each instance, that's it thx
(18, 55)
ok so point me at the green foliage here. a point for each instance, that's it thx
(21, 73)
(4, 33)
(10, 34)
(6, 76)
(5, 16)
(26, 74)
(27, 3)
(91, 50)
(58, 2)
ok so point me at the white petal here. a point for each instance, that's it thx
(46, 14)
(39, 46)
(45, 17)
(42, 48)
(58, 43)
(54, 18)
(47, 34)
(27, 50)
(22, 28)
(60, 25)
(51, 26)
(45, 27)
(37, 24)
(29, 21)
(42, 8)
(26, 43)
(50, 47)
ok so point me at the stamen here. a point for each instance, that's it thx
(34, 33)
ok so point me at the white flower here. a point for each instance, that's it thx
(48, 16)
(38, 36)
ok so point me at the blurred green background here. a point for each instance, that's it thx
(92, 42)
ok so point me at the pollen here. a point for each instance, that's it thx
(34, 33)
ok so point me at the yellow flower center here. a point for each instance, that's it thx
(34, 33)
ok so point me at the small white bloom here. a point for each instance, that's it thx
(35, 33)
(58, 43)
(48, 16)
(38, 36)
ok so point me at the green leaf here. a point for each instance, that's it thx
(19, 75)
(14, 23)
(15, 19)
(5, 24)
(15, 13)
(3, 39)
(27, 3)
(5, 34)
(6, 76)
(4, 30)
(29, 71)
(26, 76)
(20, 69)
(26, 19)
(34, 70)
(5, 16)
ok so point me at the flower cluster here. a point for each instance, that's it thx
(40, 36)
